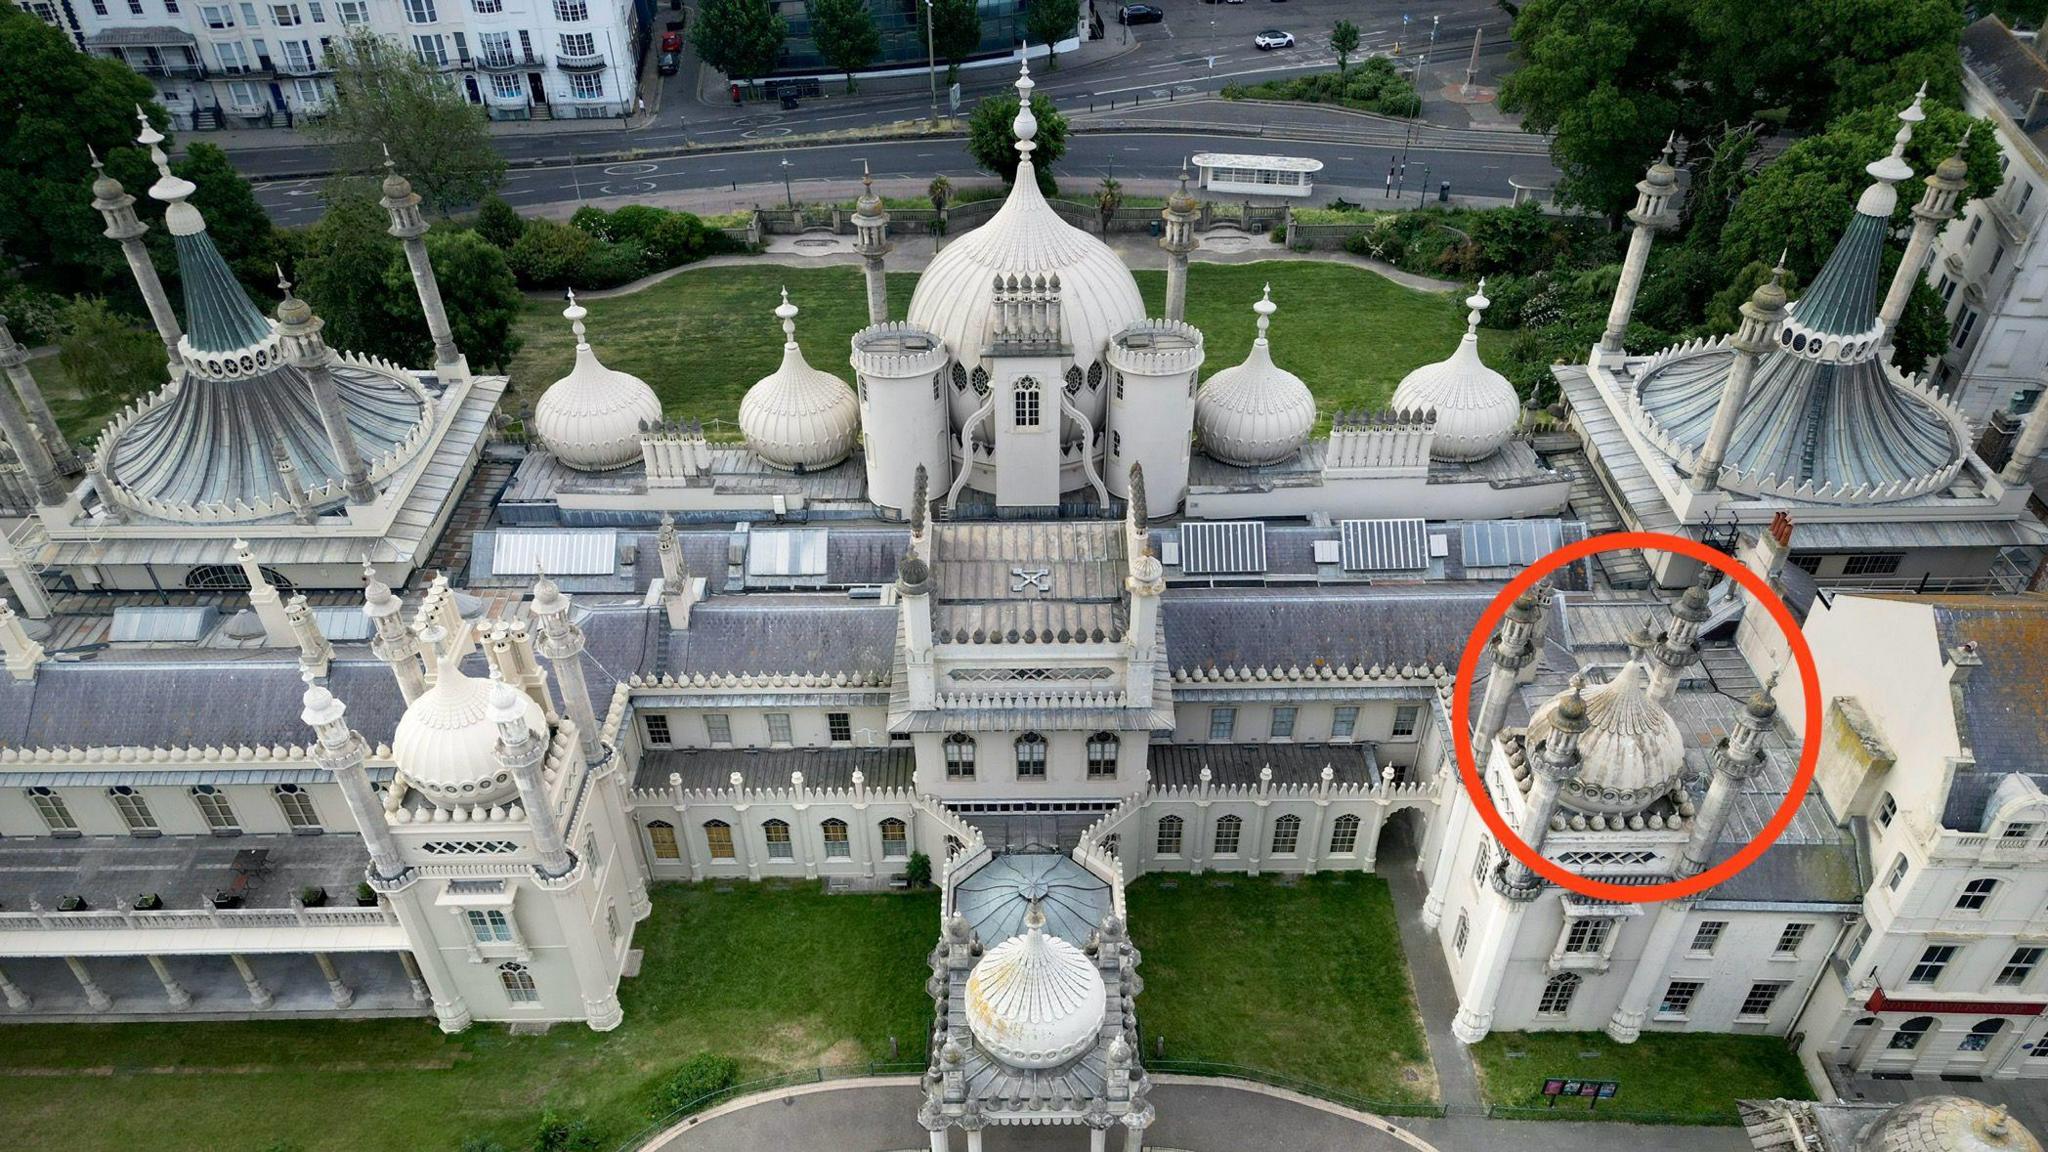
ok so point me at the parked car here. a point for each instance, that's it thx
(672, 41)
(1140, 14)
(668, 63)
(1273, 38)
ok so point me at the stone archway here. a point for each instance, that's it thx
(1401, 838)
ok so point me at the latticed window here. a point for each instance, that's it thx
(718, 727)
(1074, 380)
(1102, 752)
(51, 807)
(297, 806)
(231, 578)
(1031, 749)
(1228, 831)
(980, 381)
(1344, 722)
(1762, 995)
(1482, 860)
(836, 844)
(1027, 403)
(1707, 936)
(489, 925)
(1557, 995)
(1678, 997)
(1286, 835)
(215, 810)
(662, 836)
(518, 982)
(1908, 1036)
(1792, 937)
(895, 839)
(776, 833)
(1463, 934)
(718, 835)
(657, 728)
(1344, 835)
(134, 810)
(1095, 376)
(959, 756)
(1588, 934)
(839, 727)
(959, 377)
(779, 731)
(1283, 722)
(1222, 723)
(1170, 829)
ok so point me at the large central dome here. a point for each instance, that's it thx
(1631, 752)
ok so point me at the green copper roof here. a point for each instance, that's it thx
(219, 316)
(1843, 298)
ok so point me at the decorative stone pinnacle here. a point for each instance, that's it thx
(574, 314)
(867, 179)
(1025, 126)
(1265, 308)
(787, 312)
(1477, 302)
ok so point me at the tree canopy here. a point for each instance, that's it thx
(992, 141)
(740, 38)
(844, 31)
(1344, 42)
(955, 30)
(387, 101)
(1051, 21)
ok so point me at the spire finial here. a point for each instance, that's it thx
(390, 165)
(574, 314)
(1265, 308)
(284, 284)
(867, 178)
(99, 165)
(787, 312)
(1476, 303)
(1778, 272)
(1025, 126)
(1670, 146)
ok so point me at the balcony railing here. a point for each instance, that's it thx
(581, 62)
(45, 920)
(510, 62)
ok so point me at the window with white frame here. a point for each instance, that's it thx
(217, 16)
(1587, 935)
(1966, 322)
(432, 50)
(837, 845)
(1031, 750)
(717, 725)
(487, 7)
(489, 925)
(1976, 894)
(1229, 831)
(235, 58)
(1482, 861)
(495, 48)
(1557, 994)
(579, 44)
(656, 726)
(2018, 829)
(1222, 722)
(316, 11)
(1344, 722)
(298, 55)
(1406, 719)
(1897, 875)
(895, 839)
(611, 921)
(1286, 835)
(1026, 396)
(1792, 937)
(134, 810)
(1757, 1003)
(1678, 997)
(1934, 960)
(55, 813)
(1282, 727)
(1886, 809)
(242, 94)
(1463, 933)
(1102, 755)
(2020, 966)
(309, 94)
(508, 87)
(959, 756)
(518, 983)
(839, 727)
(285, 15)
(571, 10)
(215, 810)
(776, 834)
(718, 837)
(779, 731)
(661, 835)
(1344, 836)
(1707, 936)
(420, 12)
(1169, 839)
(353, 12)
(297, 805)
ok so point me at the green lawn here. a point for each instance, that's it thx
(1693, 1078)
(702, 337)
(786, 979)
(1306, 981)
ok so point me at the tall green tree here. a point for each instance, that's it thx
(1051, 21)
(1344, 42)
(954, 27)
(1810, 61)
(55, 102)
(108, 356)
(844, 31)
(386, 99)
(992, 141)
(469, 269)
(741, 38)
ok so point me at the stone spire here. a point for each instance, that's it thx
(871, 240)
(394, 642)
(264, 600)
(519, 753)
(315, 653)
(1652, 214)
(118, 207)
(1762, 315)
(1736, 762)
(30, 446)
(1512, 650)
(1936, 208)
(298, 331)
(561, 641)
(1179, 239)
(1680, 648)
(410, 227)
(14, 360)
(342, 751)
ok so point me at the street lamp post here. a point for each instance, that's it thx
(788, 197)
(931, 57)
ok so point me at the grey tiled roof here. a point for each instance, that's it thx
(2005, 702)
(888, 767)
(1180, 765)
(2009, 67)
(791, 632)
(1269, 626)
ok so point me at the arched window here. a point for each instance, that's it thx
(297, 806)
(1102, 750)
(1025, 393)
(1031, 756)
(776, 833)
(1170, 829)
(1286, 835)
(959, 376)
(55, 813)
(662, 835)
(1074, 380)
(836, 844)
(1980, 1035)
(213, 806)
(980, 381)
(134, 810)
(959, 756)
(518, 982)
(1482, 861)
(1344, 835)
(1115, 844)
(231, 578)
(1908, 1036)
(1095, 376)
(895, 839)
(1228, 830)
(1557, 995)
(718, 834)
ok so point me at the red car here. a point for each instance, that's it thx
(671, 41)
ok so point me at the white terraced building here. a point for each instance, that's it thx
(250, 63)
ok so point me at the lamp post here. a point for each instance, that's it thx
(788, 197)
(931, 57)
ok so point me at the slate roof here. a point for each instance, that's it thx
(2005, 702)
(889, 767)
(2007, 66)
(1180, 765)
(1272, 626)
(785, 632)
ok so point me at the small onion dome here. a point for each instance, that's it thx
(590, 419)
(447, 745)
(1663, 175)
(1476, 408)
(1035, 1001)
(869, 204)
(1770, 295)
(1631, 752)
(1948, 1124)
(797, 416)
(1256, 412)
(292, 310)
(104, 187)
(396, 187)
(1182, 202)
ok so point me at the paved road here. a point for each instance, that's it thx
(1126, 155)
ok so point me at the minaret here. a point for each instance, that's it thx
(269, 608)
(1651, 215)
(1936, 208)
(1551, 766)
(298, 331)
(1513, 649)
(315, 653)
(914, 600)
(520, 752)
(118, 207)
(871, 240)
(394, 643)
(411, 228)
(288, 479)
(561, 641)
(1179, 239)
(1146, 584)
(2026, 450)
(1762, 314)
(20, 650)
(21, 432)
(14, 359)
(680, 591)
(1680, 648)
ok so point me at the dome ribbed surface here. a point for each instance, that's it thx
(1035, 1001)
(1631, 752)
(799, 416)
(590, 419)
(447, 746)
(1476, 408)
(1256, 412)
(1949, 1124)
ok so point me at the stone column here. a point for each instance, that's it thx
(395, 643)
(420, 994)
(871, 240)
(26, 439)
(175, 991)
(1489, 970)
(1178, 238)
(315, 653)
(298, 333)
(1626, 1025)
(342, 751)
(21, 653)
(941, 1139)
(264, 600)
(1650, 216)
(1762, 314)
(1098, 1138)
(1936, 208)
(118, 208)
(561, 641)
(23, 582)
(1135, 1123)
(343, 994)
(520, 751)
(1514, 648)
(2027, 449)
(1447, 851)
(1680, 648)
(94, 995)
(406, 223)
(258, 994)
(17, 999)
(1735, 763)
(14, 358)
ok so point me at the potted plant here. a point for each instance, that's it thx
(366, 896)
(148, 902)
(73, 904)
(313, 896)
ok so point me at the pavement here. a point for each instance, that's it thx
(1436, 997)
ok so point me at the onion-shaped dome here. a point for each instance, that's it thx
(1181, 201)
(955, 297)
(1256, 412)
(1476, 408)
(590, 419)
(1631, 752)
(1035, 1001)
(447, 745)
(797, 416)
(1948, 1124)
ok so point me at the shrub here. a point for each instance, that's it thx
(365, 895)
(313, 896)
(559, 1133)
(34, 316)
(918, 870)
(700, 1076)
(497, 222)
(549, 254)
(1372, 86)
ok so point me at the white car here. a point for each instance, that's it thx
(1272, 38)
